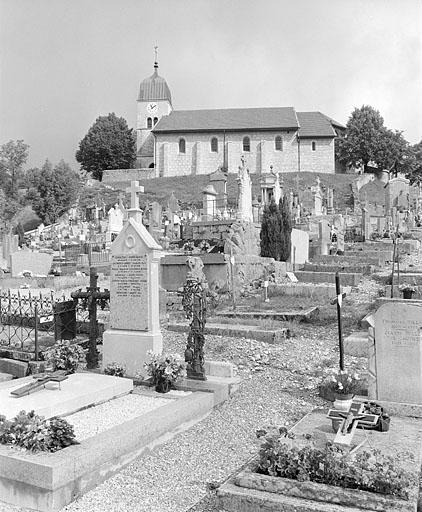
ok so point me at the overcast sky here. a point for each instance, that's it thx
(66, 62)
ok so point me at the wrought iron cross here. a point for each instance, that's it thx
(90, 299)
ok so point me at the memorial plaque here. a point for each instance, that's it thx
(398, 352)
(129, 292)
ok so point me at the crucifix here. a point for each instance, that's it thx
(350, 421)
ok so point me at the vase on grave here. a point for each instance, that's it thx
(163, 386)
(342, 402)
(407, 294)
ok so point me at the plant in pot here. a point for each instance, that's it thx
(165, 370)
(408, 290)
(344, 386)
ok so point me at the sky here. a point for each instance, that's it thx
(64, 63)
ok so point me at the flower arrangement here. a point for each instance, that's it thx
(408, 287)
(188, 246)
(115, 369)
(64, 355)
(344, 383)
(204, 246)
(164, 367)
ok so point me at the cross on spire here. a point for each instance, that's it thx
(134, 189)
(156, 53)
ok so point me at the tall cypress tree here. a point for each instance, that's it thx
(286, 226)
(270, 234)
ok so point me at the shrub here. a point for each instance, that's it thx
(35, 433)
(281, 455)
(64, 355)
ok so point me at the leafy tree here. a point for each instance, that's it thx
(54, 190)
(109, 144)
(415, 172)
(13, 156)
(367, 140)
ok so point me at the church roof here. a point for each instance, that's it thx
(230, 119)
(316, 124)
(154, 88)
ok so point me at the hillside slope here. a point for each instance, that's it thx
(188, 189)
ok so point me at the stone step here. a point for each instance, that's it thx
(272, 315)
(252, 332)
(356, 344)
(346, 279)
(347, 269)
(323, 291)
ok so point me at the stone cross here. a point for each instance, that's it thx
(135, 212)
(350, 420)
(134, 198)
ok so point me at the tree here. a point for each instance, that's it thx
(109, 144)
(415, 172)
(271, 232)
(286, 217)
(54, 190)
(13, 156)
(367, 140)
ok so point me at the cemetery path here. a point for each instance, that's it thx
(279, 386)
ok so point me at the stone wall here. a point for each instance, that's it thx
(114, 175)
(319, 161)
(199, 159)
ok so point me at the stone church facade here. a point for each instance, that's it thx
(190, 142)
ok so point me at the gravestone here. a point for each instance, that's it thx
(244, 201)
(39, 263)
(300, 247)
(134, 294)
(395, 353)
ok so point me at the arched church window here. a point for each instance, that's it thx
(313, 145)
(182, 146)
(214, 145)
(155, 120)
(246, 144)
(149, 122)
(278, 143)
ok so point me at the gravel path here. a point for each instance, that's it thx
(279, 386)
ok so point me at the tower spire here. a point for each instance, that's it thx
(156, 59)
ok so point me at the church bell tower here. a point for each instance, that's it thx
(154, 101)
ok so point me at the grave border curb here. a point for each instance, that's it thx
(49, 481)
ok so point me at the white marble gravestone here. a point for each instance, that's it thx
(395, 352)
(134, 301)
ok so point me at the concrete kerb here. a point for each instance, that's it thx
(50, 481)
(247, 491)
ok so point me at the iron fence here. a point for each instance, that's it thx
(33, 322)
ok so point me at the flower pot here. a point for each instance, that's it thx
(342, 402)
(407, 294)
(163, 386)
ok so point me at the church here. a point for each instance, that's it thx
(192, 142)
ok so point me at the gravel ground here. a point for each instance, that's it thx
(279, 386)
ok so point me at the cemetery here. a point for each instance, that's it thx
(172, 343)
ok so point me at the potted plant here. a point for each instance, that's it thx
(344, 386)
(408, 290)
(165, 370)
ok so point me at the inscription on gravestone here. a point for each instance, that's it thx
(398, 352)
(129, 292)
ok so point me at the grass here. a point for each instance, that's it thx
(188, 189)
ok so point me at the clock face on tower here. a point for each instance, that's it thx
(152, 108)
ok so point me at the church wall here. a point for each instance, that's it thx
(199, 159)
(319, 161)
